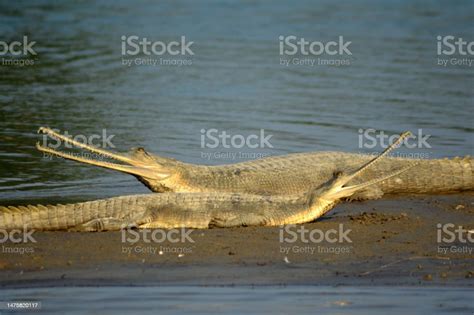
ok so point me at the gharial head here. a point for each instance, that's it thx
(159, 174)
(338, 187)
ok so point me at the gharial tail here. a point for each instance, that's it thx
(430, 176)
(98, 215)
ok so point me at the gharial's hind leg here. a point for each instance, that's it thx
(249, 219)
(369, 193)
(101, 224)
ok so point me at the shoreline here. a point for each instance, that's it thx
(393, 242)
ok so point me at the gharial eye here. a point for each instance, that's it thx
(337, 174)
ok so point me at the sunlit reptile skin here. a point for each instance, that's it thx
(168, 210)
(303, 187)
(280, 175)
(294, 173)
(197, 210)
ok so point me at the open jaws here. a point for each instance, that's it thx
(341, 190)
(131, 166)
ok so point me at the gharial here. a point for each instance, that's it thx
(281, 175)
(200, 209)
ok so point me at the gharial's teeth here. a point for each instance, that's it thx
(44, 130)
(48, 132)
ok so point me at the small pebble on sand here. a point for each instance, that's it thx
(428, 277)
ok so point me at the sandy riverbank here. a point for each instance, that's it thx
(394, 242)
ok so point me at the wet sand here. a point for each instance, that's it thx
(394, 242)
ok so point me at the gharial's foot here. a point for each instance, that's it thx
(102, 224)
(370, 193)
(248, 219)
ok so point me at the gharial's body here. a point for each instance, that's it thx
(293, 173)
(283, 175)
(190, 210)
(167, 210)
(200, 209)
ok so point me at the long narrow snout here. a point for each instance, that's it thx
(132, 165)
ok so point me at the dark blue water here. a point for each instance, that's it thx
(234, 84)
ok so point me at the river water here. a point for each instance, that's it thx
(235, 83)
(80, 83)
(247, 300)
